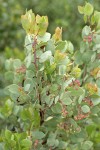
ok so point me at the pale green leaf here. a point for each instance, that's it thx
(45, 56)
(85, 108)
(81, 9)
(88, 9)
(38, 135)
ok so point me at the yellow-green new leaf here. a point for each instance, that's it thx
(81, 9)
(88, 9)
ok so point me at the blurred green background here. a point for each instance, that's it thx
(62, 13)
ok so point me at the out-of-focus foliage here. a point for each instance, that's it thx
(8, 53)
(61, 13)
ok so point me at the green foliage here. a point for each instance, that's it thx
(90, 63)
(87, 10)
(6, 78)
(53, 96)
(89, 49)
(17, 141)
(10, 20)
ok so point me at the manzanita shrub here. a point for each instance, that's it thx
(90, 56)
(52, 103)
(90, 46)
